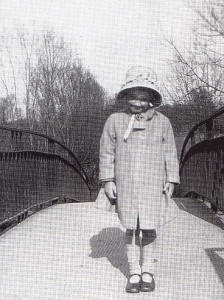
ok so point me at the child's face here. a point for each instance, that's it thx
(138, 106)
(138, 101)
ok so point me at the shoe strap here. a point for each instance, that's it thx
(134, 275)
(148, 273)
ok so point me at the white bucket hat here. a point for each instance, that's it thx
(141, 77)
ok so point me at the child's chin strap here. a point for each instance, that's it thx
(145, 116)
(130, 125)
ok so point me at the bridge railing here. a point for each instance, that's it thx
(14, 139)
(36, 169)
(202, 161)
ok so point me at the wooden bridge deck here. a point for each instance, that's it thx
(73, 251)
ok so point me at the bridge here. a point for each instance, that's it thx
(56, 245)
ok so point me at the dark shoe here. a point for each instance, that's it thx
(148, 286)
(133, 287)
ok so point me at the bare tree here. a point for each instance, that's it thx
(61, 97)
(68, 100)
(202, 66)
(11, 93)
(9, 111)
(28, 46)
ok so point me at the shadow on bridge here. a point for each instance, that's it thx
(217, 259)
(199, 209)
(110, 243)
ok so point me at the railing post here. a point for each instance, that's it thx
(209, 127)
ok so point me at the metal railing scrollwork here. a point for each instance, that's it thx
(36, 171)
(202, 161)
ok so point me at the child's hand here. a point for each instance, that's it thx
(168, 189)
(111, 191)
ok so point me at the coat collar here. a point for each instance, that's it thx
(146, 116)
(138, 121)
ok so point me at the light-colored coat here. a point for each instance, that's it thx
(140, 167)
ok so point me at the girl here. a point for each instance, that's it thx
(139, 167)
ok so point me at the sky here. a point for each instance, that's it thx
(110, 36)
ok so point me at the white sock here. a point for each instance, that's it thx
(147, 277)
(148, 264)
(133, 254)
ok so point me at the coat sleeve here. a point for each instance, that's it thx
(107, 151)
(171, 160)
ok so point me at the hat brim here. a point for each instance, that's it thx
(156, 100)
